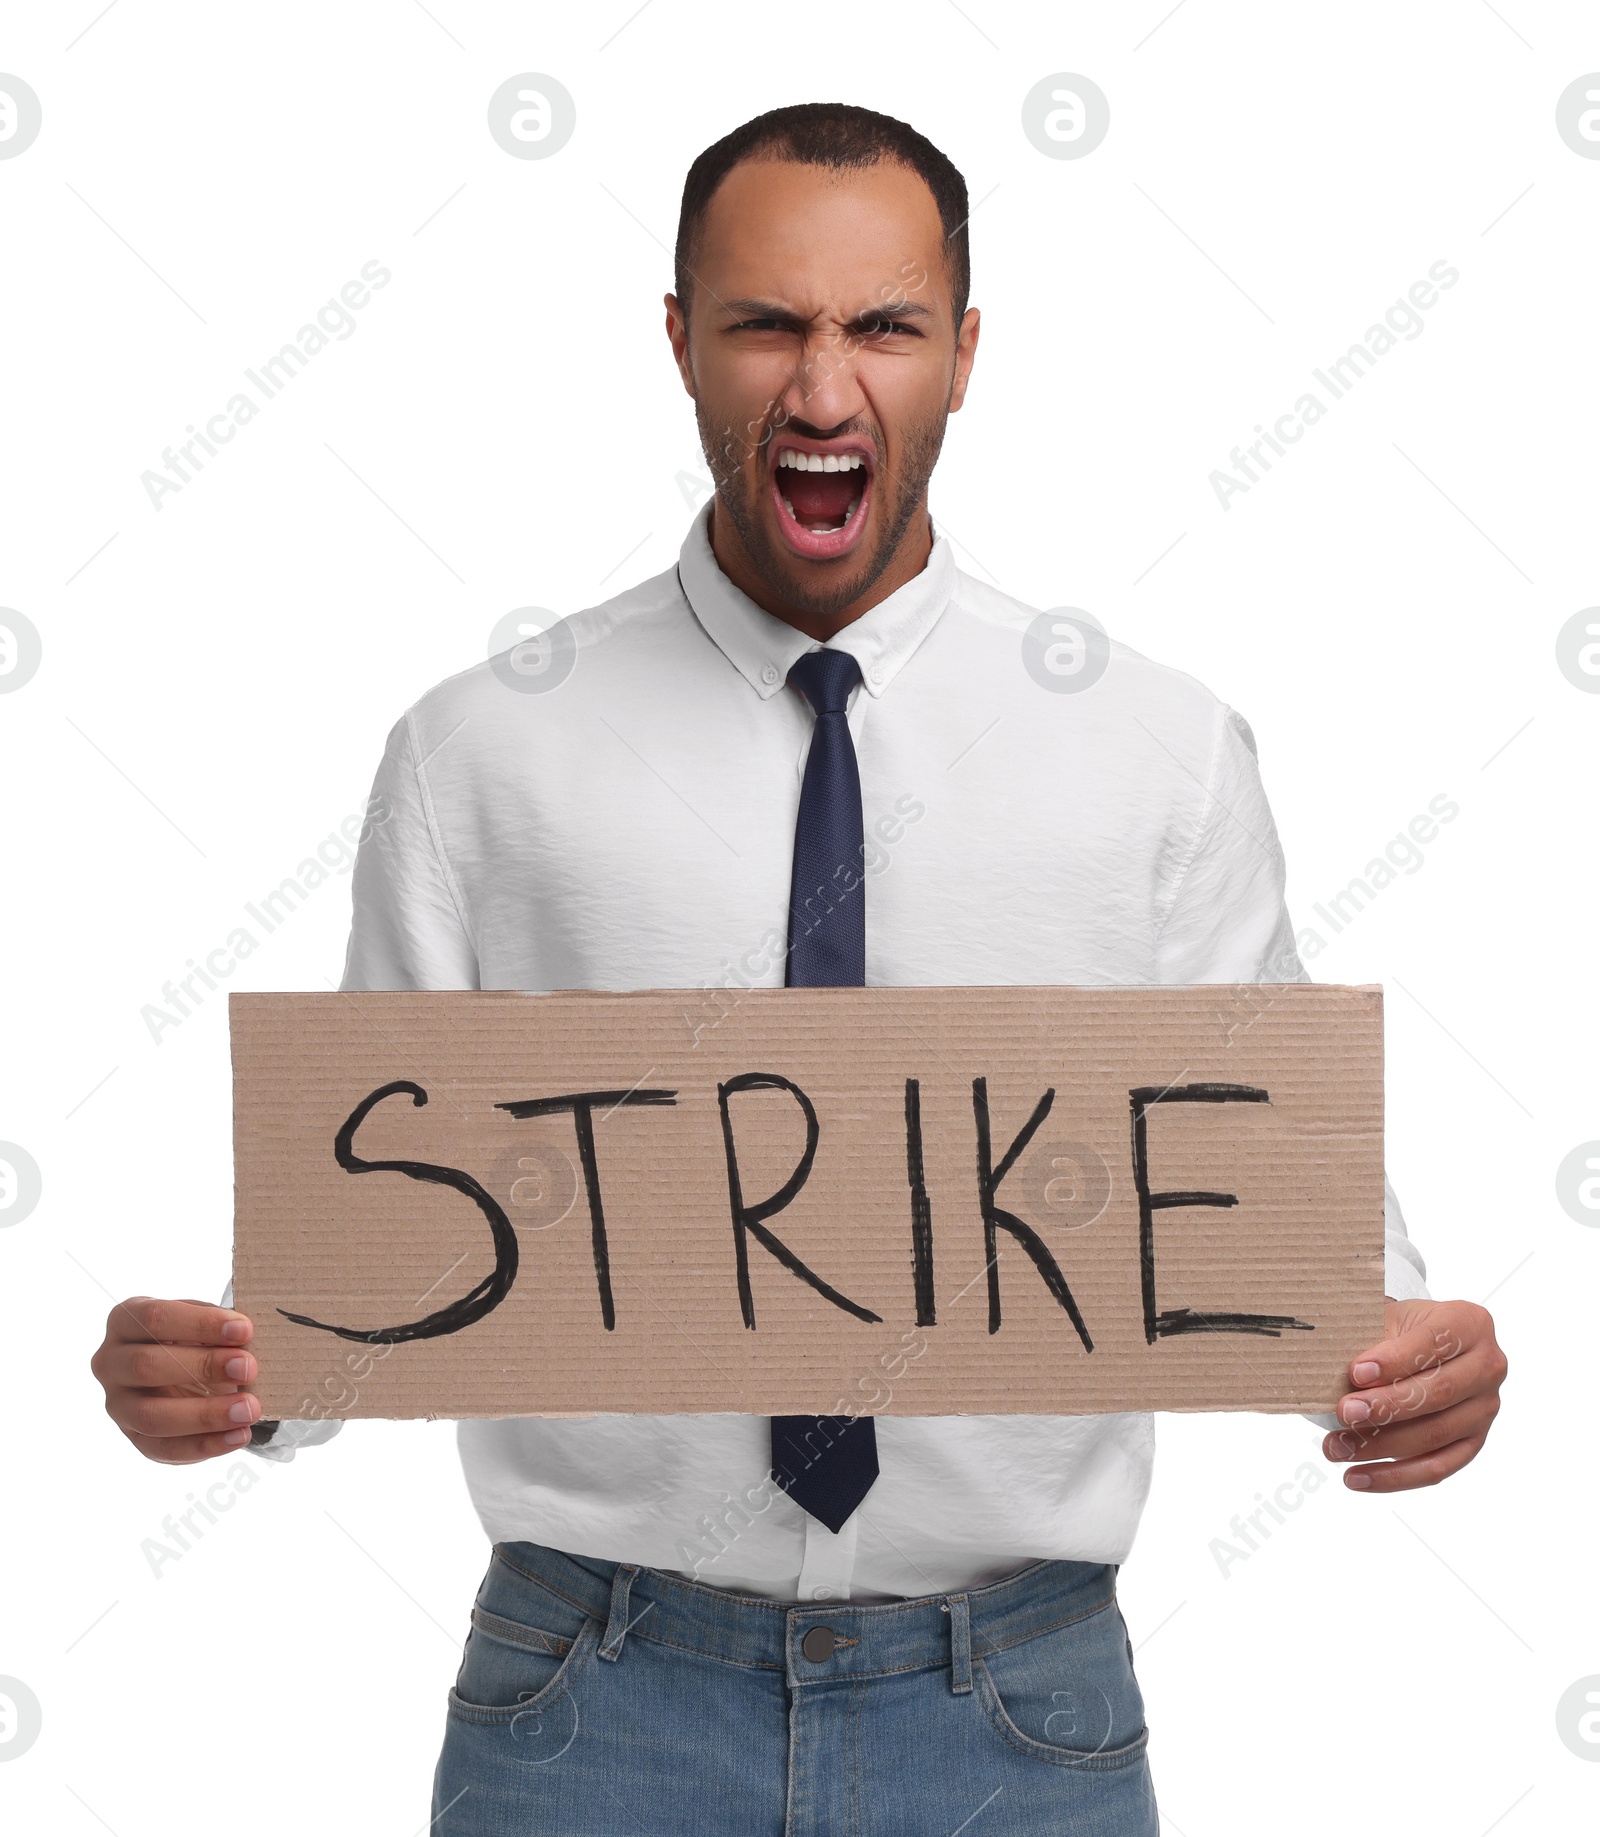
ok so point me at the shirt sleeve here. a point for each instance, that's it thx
(406, 932)
(407, 926)
(1228, 921)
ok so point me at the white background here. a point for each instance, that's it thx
(501, 430)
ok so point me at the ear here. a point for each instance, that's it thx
(966, 351)
(678, 337)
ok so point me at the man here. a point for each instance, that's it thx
(811, 753)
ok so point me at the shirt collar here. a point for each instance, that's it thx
(763, 649)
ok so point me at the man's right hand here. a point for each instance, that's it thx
(176, 1376)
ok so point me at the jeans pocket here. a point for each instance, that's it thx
(1069, 1695)
(520, 1677)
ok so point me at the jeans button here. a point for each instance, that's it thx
(818, 1644)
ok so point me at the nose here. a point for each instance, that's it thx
(811, 430)
(824, 392)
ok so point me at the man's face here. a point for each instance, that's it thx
(823, 359)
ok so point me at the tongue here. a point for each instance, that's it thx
(821, 497)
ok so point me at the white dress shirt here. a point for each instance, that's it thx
(632, 827)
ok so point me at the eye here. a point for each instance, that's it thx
(759, 325)
(885, 328)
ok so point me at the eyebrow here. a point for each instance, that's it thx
(899, 310)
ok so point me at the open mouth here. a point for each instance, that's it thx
(821, 493)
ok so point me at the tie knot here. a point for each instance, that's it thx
(825, 678)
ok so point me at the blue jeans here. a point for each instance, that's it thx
(598, 1699)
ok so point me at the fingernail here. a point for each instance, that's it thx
(1336, 1448)
(235, 1332)
(242, 1367)
(236, 1438)
(1355, 1410)
(1367, 1372)
(1358, 1480)
(242, 1411)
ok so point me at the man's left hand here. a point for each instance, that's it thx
(1422, 1400)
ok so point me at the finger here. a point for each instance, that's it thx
(188, 1323)
(1417, 1470)
(1448, 1331)
(151, 1365)
(1469, 1374)
(159, 1417)
(1417, 1435)
(182, 1450)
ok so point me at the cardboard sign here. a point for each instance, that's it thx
(912, 1200)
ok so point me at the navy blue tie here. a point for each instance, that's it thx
(827, 1464)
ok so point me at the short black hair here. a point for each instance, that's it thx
(837, 135)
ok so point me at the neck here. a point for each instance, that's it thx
(910, 557)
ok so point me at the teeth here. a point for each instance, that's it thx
(820, 462)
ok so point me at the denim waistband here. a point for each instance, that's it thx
(631, 1602)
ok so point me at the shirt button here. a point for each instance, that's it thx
(876, 673)
(818, 1644)
(769, 673)
(822, 1594)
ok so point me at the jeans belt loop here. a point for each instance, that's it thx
(960, 1645)
(617, 1621)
